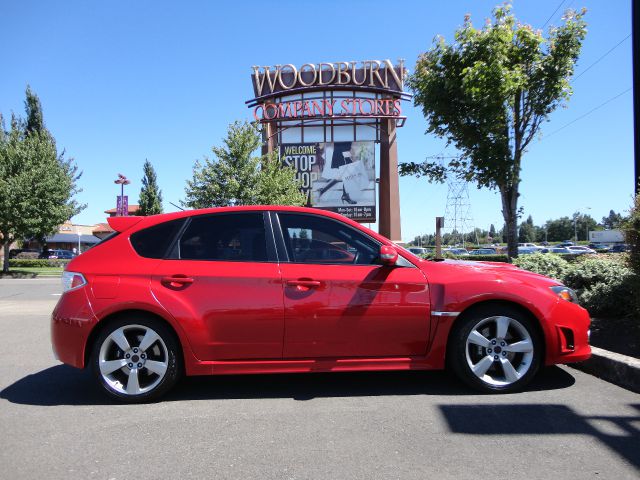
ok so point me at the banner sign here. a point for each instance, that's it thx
(122, 206)
(338, 176)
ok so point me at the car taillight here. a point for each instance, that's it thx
(72, 280)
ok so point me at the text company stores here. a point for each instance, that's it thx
(330, 121)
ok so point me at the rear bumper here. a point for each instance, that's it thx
(71, 323)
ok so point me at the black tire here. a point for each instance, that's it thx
(163, 352)
(465, 354)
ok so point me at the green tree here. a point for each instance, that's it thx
(612, 221)
(35, 118)
(559, 229)
(150, 194)
(583, 224)
(237, 177)
(540, 233)
(527, 232)
(488, 93)
(37, 185)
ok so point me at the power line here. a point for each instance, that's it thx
(598, 60)
(589, 112)
(554, 12)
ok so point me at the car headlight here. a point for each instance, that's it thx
(565, 293)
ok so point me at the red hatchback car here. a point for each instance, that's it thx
(284, 289)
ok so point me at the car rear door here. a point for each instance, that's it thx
(339, 301)
(222, 284)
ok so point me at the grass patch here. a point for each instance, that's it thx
(32, 272)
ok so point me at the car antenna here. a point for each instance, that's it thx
(177, 206)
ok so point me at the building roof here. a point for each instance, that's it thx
(102, 228)
(71, 238)
(132, 209)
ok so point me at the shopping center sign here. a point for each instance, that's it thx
(272, 82)
(370, 73)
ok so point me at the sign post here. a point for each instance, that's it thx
(439, 227)
(122, 202)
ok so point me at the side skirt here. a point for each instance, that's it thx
(237, 367)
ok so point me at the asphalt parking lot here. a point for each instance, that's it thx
(395, 425)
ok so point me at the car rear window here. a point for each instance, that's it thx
(153, 242)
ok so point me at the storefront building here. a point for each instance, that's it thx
(330, 121)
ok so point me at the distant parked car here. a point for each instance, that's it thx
(560, 250)
(457, 251)
(528, 250)
(60, 254)
(419, 250)
(483, 251)
(623, 247)
(566, 243)
(579, 249)
(599, 247)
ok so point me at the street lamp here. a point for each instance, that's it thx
(122, 181)
(575, 225)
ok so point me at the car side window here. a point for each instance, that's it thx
(313, 239)
(153, 242)
(236, 237)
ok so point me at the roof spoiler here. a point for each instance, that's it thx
(120, 224)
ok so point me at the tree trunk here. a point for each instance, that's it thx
(5, 263)
(509, 196)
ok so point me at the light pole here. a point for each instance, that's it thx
(575, 225)
(122, 181)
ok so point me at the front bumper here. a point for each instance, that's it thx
(568, 334)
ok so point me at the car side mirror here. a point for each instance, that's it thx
(388, 255)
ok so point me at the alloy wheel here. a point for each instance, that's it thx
(133, 360)
(499, 350)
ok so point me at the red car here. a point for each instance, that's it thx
(284, 289)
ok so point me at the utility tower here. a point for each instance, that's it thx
(458, 218)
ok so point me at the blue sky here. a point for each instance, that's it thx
(124, 81)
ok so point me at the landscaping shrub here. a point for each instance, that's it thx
(604, 284)
(632, 234)
(604, 287)
(27, 255)
(486, 258)
(548, 264)
(478, 258)
(37, 262)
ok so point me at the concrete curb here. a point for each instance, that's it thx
(612, 367)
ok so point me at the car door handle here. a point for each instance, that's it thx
(303, 283)
(177, 280)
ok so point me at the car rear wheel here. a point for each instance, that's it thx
(136, 359)
(495, 350)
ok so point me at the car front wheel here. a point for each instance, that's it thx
(136, 359)
(495, 350)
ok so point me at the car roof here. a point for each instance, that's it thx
(135, 223)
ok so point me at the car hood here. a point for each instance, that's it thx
(489, 269)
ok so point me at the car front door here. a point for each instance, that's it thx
(222, 282)
(339, 300)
